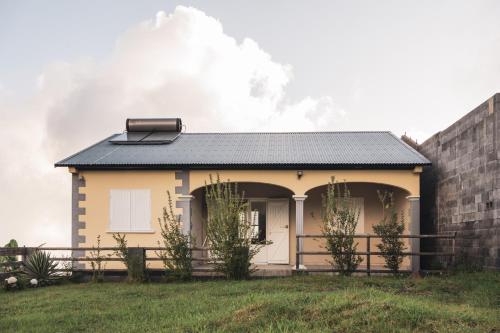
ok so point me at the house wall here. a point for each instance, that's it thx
(94, 210)
(96, 205)
(461, 191)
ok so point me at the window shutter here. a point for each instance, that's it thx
(119, 210)
(140, 210)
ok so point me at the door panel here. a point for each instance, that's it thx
(278, 231)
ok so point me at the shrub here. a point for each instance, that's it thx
(40, 266)
(390, 229)
(97, 261)
(177, 256)
(8, 263)
(340, 218)
(229, 230)
(131, 259)
(14, 283)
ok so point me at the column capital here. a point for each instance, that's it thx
(413, 197)
(299, 197)
(185, 197)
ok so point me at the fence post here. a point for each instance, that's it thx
(136, 263)
(23, 254)
(368, 255)
(27, 251)
(453, 247)
(297, 256)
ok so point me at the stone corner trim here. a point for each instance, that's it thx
(76, 211)
(183, 176)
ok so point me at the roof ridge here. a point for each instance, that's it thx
(289, 132)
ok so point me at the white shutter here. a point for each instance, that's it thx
(140, 210)
(119, 210)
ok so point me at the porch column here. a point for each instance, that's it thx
(415, 230)
(184, 202)
(299, 224)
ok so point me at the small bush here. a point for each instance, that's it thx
(132, 260)
(229, 230)
(14, 283)
(390, 230)
(7, 263)
(97, 261)
(340, 218)
(177, 256)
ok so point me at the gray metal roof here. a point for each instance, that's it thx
(255, 150)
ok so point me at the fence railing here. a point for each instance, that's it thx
(150, 254)
(108, 254)
(368, 253)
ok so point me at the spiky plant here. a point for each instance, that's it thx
(39, 265)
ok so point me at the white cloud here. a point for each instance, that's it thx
(177, 65)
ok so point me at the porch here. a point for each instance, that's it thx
(280, 216)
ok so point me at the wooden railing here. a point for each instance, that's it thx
(107, 256)
(145, 252)
(368, 253)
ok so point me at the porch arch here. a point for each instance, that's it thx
(255, 192)
(371, 211)
(308, 179)
(382, 186)
(253, 189)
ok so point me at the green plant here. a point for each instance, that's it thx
(177, 256)
(8, 263)
(390, 229)
(229, 230)
(122, 252)
(340, 218)
(130, 258)
(97, 261)
(14, 282)
(40, 266)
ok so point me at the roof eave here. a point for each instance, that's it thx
(347, 166)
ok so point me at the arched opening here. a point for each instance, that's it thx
(272, 212)
(365, 196)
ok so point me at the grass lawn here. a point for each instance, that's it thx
(460, 303)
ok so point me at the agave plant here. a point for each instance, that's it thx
(40, 266)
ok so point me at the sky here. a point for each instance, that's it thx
(71, 72)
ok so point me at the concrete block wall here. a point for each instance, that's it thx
(461, 191)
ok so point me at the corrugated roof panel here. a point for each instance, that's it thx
(254, 149)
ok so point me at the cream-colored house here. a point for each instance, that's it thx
(120, 184)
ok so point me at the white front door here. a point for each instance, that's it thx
(278, 231)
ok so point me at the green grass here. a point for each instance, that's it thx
(459, 303)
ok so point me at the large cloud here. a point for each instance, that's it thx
(177, 65)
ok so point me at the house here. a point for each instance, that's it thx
(120, 184)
